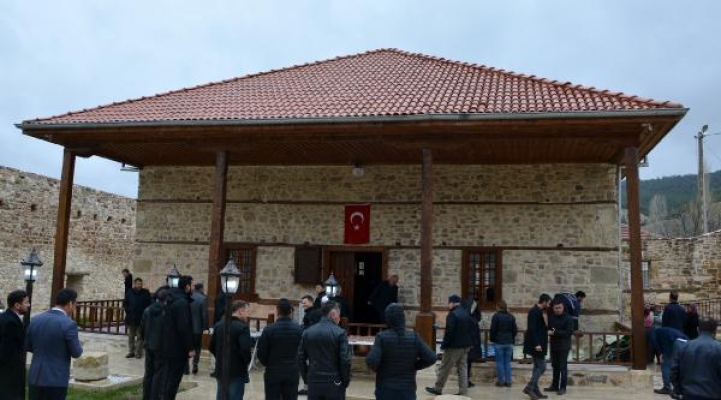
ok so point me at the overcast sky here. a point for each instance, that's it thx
(59, 56)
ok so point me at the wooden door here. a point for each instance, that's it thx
(342, 264)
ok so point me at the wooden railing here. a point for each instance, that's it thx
(101, 316)
(614, 348)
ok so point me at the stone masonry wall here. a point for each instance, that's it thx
(692, 266)
(556, 223)
(102, 230)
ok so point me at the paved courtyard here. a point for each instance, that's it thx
(361, 387)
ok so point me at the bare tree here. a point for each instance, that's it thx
(657, 209)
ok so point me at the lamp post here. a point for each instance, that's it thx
(331, 286)
(30, 274)
(173, 277)
(229, 282)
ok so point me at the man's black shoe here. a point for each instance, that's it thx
(433, 390)
(471, 384)
(530, 393)
(541, 396)
(130, 355)
(550, 389)
(195, 369)
(212, 374)
(663, 390)
(303, 392)
(561, 392)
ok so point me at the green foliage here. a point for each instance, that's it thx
(678, 190)
(127, 393)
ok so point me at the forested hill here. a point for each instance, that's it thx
(678, 190)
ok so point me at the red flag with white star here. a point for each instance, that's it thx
(357, 223)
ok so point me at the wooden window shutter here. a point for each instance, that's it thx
(308, 264)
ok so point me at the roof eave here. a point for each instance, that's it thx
(656, 112)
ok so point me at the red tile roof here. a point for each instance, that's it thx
(385, 82)
(645, 235)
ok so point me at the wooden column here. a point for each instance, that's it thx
(217, 228)
(61, 233)
(426, 319)
(634, 240)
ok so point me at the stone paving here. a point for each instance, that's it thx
(361, 387)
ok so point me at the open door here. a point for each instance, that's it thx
(358, 273)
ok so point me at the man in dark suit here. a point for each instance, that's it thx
(52, 337)
(536, 344)
(278, 351)
(12, 347)
(384, 294)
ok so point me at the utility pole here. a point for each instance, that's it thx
(701, 181)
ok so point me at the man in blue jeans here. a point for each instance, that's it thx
(536, 345)
(503, 335)
(665, 340)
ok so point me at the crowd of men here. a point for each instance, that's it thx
(166, 327)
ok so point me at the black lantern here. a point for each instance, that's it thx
(30, 274)
(332, 289)
(230, 278)
(173, 277)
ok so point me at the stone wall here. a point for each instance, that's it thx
(692, 266)
(556, 224)
(102, 229)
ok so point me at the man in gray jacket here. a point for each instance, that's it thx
(199, 315)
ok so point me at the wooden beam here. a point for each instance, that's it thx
(63, 224)
(426, 319)
(217, 227)
(634, 239)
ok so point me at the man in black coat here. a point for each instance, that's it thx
(324, 357)
(396, 355)
(12, 347)
(137, 300)
(536, 345)
(278, 351)
(240, 351)
(319, 293)
(457, 342)
(674, 315)
(384, 294)
(151, 327)
(177, 344)
(560, 329)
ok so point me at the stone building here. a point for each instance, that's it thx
(469, 180)
(102, 233)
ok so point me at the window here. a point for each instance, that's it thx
(482, 277)
(645, 274)
(244, 257)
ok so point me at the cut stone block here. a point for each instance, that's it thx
(91, 366)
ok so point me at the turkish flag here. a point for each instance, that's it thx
(357, 223)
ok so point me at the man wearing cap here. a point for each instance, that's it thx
(457, 342)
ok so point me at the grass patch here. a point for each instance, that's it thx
(132, 392)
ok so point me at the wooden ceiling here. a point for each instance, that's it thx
(511, 141)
